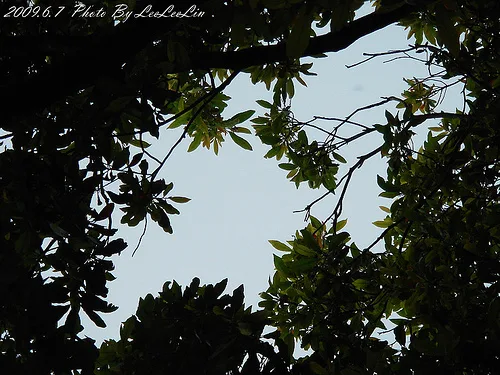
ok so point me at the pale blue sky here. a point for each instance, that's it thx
(241, 200)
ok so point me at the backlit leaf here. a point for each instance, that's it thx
(279, 245)
(243, 143)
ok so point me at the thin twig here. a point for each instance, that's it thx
(48, 247)
(5, 136)
(315, 127)
(344, 121)
(142, 234)
(382, 235)
(374, 55)
(147, 152)
(405, 234)
(151, 156)
(361, 160)
(360, 62)
(346, 141)
(370, 106)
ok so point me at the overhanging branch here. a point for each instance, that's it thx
(69, 76)
(330, 42)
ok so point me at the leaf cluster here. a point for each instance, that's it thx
(197, 330)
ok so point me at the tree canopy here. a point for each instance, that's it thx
(84, 91)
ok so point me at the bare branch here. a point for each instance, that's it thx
(146, 151)
(378, 54)
(361, 160)
(142, 234)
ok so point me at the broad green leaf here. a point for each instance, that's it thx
(298, 39)
(245, 328)
(105, 212)
(301, 81)
(243, 143)
(169, 209)
(302, 138)
(354, 250)
(239, 129)
(430, 34)
(315, 222)
(181, 120)
(361, 283)
(383, 223)
(303, 265)
(385, 209)
(136, 159)
(272, 152)
(287, 166)
(304, 250)
(280, 265)
(290, 89)
(340, 224)
(260, 120)
(279, 245)
(167, 189)
(238, 118)
(388, 194)
(139, 143)
(264, 103)
(194, 144)
(95, 318)
(127, 328)
(292, 173)
(179, 199)
(339, 157)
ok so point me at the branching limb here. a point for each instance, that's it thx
(348, 176)
(370, 106)
(103, 47)
(378, 54)
(6, 136)
(146, 152)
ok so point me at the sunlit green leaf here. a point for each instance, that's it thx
(340, 224)
(385, 209)
(279, 245)
(243, 143)
(383, 223)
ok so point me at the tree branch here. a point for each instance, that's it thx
(105, 58)
(330, 42)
